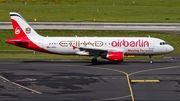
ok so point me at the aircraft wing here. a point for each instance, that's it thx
(98, 50)
(93, 49)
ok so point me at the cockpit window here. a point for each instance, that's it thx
(163, 43)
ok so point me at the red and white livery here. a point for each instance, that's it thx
(111, 48)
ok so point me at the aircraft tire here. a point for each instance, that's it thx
(94, 61)
(151, 61)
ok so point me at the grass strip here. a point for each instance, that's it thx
(165, 11)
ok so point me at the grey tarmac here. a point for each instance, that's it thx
(78, 80)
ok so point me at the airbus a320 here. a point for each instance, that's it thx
(111, 48)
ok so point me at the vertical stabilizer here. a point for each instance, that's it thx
(21, 27)
(25, 35)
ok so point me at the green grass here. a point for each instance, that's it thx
(43, 56)
(94, 10)
(172, 39)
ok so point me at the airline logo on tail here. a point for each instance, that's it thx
(17, 30)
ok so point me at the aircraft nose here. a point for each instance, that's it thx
(170, 48)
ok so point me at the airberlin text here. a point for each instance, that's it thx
(97, 43)
(125, 43)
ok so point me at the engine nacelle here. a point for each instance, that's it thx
(115, 56)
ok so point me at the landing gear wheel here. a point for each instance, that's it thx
(151, 61)
(94, 61)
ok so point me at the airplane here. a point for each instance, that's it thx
(112, 48)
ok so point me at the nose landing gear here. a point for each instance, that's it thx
(150, 61)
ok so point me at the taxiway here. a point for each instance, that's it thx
(132, 80)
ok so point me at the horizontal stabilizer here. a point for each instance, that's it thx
(17, 40)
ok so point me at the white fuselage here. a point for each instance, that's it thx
(130, 45)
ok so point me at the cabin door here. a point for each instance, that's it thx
(151, 44)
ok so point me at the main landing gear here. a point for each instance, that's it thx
(150, 61)
(94, 61)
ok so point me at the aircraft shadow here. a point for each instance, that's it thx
(100, 62)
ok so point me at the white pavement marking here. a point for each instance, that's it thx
(33, 91)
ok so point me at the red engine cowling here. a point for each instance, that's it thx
(115, 56)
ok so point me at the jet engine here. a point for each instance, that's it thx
(115, 56)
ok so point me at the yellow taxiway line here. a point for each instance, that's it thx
(148, 81)
(109, 69)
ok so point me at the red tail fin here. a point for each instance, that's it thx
(18, 32)
(21, 27)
